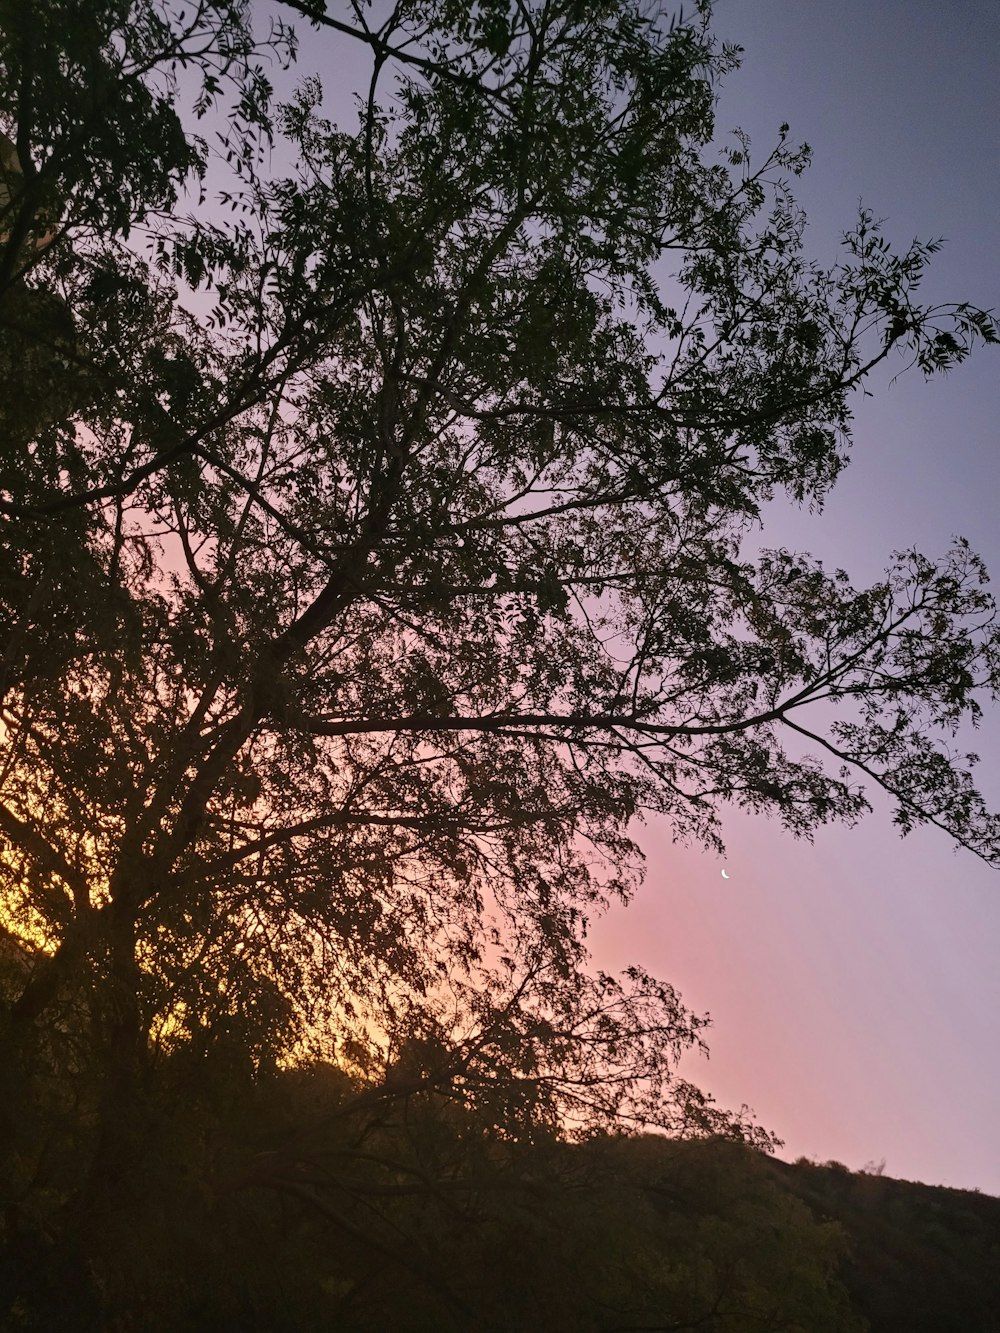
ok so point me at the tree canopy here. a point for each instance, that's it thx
(375, 497)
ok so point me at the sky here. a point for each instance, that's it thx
(854, 984)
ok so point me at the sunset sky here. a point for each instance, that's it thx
(855, 984)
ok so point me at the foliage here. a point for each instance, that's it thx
(923, 1258)
(373, 559)
(406, 1214)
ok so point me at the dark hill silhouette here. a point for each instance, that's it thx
(924, 1258)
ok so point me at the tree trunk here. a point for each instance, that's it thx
(123, 1115)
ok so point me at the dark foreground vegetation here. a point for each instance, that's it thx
(300, 1201)
(921, 1258)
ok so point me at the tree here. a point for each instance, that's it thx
(373, 551)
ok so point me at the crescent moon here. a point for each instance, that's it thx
(724, 875)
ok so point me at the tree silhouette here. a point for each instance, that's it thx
(373, 557)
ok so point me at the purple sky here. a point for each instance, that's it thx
(855, 984)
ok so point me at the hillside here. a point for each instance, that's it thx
(923, 1258)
